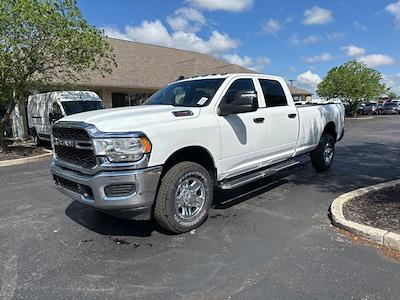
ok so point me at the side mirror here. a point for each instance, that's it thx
(244, 101)
(53, 117)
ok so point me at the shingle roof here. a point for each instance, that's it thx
(150, 66)
(298, 91)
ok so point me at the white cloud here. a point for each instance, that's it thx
(317, 16)
(377, 60)
(394, 9)
(186, 19)
(335, 35)
(154, 32)
(114, 32)
(319, 58)
(309, 79)
(256, 64)
(297, 41)
(353, 51)
(271, 26)
(149, 32)
(392, 81)
(360, 26)
(312, 39)
(227, 5)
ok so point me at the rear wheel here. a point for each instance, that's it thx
(322, 156)
(184, 197)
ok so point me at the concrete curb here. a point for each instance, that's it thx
(361, 118)
(383, 237)
(20, 161)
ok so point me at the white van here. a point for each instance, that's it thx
(47, 108)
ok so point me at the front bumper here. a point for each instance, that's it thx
(90, 189)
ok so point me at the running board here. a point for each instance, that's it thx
(231, 184)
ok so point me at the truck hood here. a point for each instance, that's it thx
(132, 118)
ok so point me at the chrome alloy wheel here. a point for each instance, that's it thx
(328, 153)
(190, 197)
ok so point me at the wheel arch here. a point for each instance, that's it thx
(330, 128)
(196, 154)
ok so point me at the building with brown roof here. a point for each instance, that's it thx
(142, 69)
(300, 95)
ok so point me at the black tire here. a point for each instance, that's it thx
(319, 157)
(167, 212)
(38, 142)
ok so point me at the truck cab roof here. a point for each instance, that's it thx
(230, 75)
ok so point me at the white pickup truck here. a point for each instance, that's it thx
(164, 159)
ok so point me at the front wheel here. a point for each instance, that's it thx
(184, 197)
(322, 156)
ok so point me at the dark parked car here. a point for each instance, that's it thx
(390, 108)
(347, 110)
(371, 108)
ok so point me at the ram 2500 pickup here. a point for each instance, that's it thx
(164, 159)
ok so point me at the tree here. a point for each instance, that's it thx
(43, 42)
(352, 82)
(392, 95)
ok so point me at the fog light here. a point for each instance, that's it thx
(120, 190)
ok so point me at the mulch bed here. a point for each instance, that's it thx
(15, 152)
(380, 209)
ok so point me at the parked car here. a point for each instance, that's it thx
(390, 108)
(370, 108)
(396, 101)
(360, 109)
(165, 158)
(46, 108)
(347, 109)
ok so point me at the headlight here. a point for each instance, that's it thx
(122, 149)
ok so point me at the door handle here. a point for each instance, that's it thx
(292, 116)
(259, 120)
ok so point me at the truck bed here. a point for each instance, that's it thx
(312, 119)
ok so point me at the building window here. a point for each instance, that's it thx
(299, 98)
(128, 99)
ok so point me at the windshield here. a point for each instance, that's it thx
(390, 105)
(370, 104)
(186, 93)
(74, 107)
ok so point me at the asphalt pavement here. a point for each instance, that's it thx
(270, 240)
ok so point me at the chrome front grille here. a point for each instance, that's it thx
(73, 145)
(82, 157)
(65, 133)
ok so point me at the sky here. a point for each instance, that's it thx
(298, 40)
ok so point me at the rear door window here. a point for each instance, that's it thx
(273, 93)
